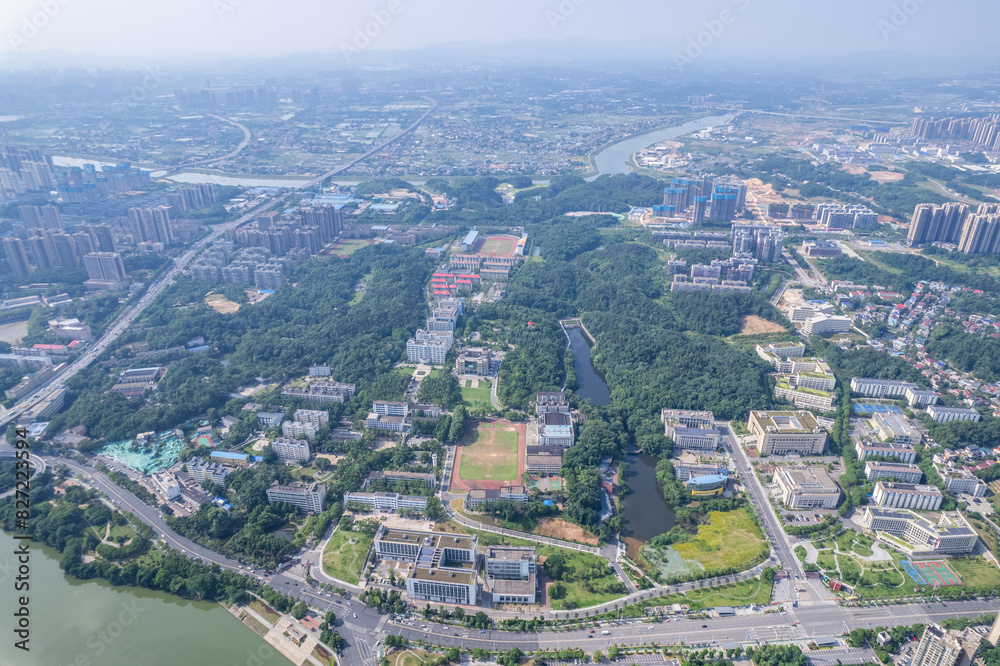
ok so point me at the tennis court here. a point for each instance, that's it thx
(877, 409)
(936, 573)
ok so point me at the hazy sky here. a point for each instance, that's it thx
(264, 27)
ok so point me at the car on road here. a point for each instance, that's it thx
(355, 615)
(704, 626)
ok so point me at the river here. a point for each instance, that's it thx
(645, 513)
(616, 158)
(92, 622)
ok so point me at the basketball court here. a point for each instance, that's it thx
(936, 573)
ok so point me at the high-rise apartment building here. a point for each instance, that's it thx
(17, 257)
(939, 647)
(931, 223)
(152, 224)
(981, 232)
(105, 267)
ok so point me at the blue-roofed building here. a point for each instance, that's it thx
(232, 459)
(470, 241)
(555, 429)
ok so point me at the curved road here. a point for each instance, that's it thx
(229, 155)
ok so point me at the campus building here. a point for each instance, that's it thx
(290, 450)
(390, 408)
(901, 472)
(321, 392)
(544, 459)
(901, 452)
(510, 573)
(916, 397)
(474, 361)
(388, 423)
(443, 565)
(431, 352)
(299, 430)
(942, 414)
(386, 502)
(315, 416)
(409, 545)
(551, 401)
(807, 488)
(307, 497)
(202, 471)
(800, 396)
(783, 432)
(959, 480)
(907, 496)
(690, 429)
(896, 428)
(783, 349)
(826, 324)
(880, 388)
(555, 429)
(395, 476)
(478, 498)
(914, 534)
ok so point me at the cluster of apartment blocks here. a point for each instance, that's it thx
(443, 567)
(952, 223)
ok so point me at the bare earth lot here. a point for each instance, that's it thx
(753, 324)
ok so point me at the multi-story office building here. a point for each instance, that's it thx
(555, 429)
(511, 575)
(959, 480)
(896, 428)
(388, 423)
(920, 397)
(783, 432)
(441, 585)
(901, 452)
(825, 324)
(940, 647)
(802, 397)
(551, 401)
(880, 388)
(291, 450)
(409, 546)
(807, 488)
(907, 496)
(914, 534)
(202, 471)
(321, 392)
(390, 408)
(901, 472)
(932, 223)
(474, 361)
(432, 352)
(942, 414)
(690, 429)
(315, 416)
(782, 350)
(307, 497)
(299, 429)
(387, 502)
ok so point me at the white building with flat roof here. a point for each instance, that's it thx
(826, 324)
(299, 430)
(315, 416)
(880, 388)
(307, 497)
(896, 428)
(942, 414)
(807, 488)
(783, 432)
(167, 484)
(387, 502)
(907, 496)
(959, 480)
(916, 397)
(948, 533)
(902, 472)
(291, 450)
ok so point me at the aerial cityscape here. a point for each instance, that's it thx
(544, 333)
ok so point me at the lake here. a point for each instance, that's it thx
(195, 177)
(93, 622)
(615, 158)
(645, 513)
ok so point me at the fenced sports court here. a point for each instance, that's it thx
(936, 573)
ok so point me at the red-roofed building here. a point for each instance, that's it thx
(49, 347)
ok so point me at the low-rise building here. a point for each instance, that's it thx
(782, 349)
(307, 497)
(907, 496)
(167, 484)
(290, 450)
(783, 432)
(202, 471)
(914, 534)
(690, 429)
(807, 488)
(409, 545)
(942, 414)
(395, 476)
(321, 392)
(544, 459)
(270, 419)
(389, 423)
(511, 575)
(390, 408)
(442, 585)
(387, 502)
(901, 472)
(478, 497)
(551, 401)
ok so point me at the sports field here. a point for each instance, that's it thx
(931, 573)
(204, 440)
(489, 452)
(500, 246)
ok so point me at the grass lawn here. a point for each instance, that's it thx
(744, 592)
(412, 657)
(406, 372)
(577, 595)
(827, 560)
(349, 246)
(729, 539)
(489, 453)
(264, 611)
(477, 397)
(342, 559)
(976, 572)
(124, 531)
